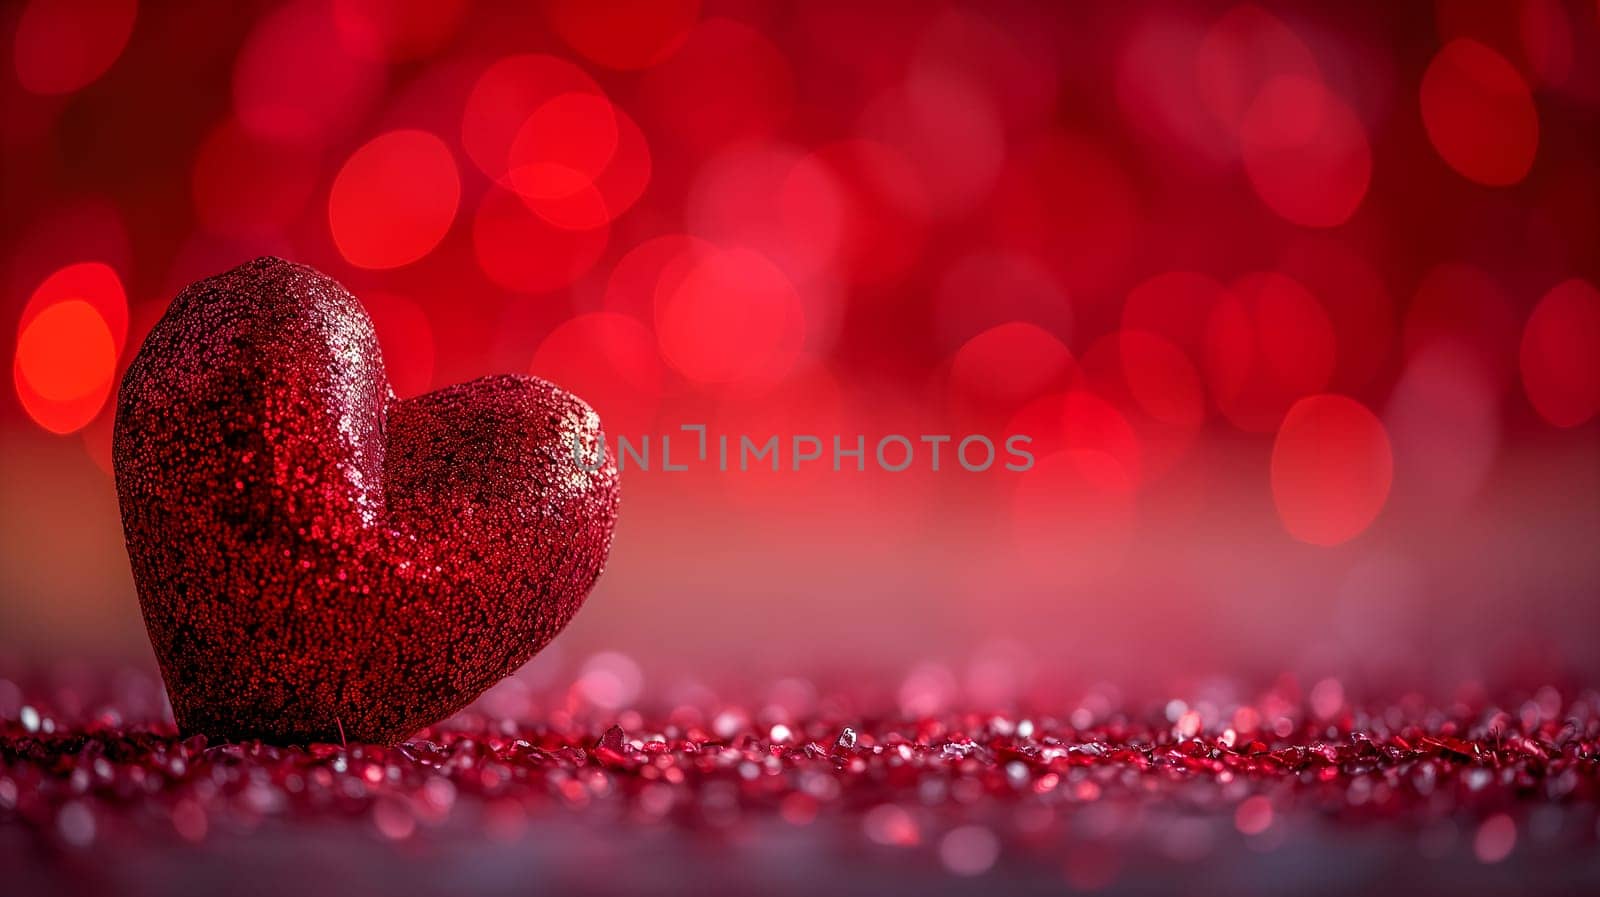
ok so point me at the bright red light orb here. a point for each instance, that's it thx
(394, 199)
(596, 167)
(653, 268)
(66, 358)
(504, 98)
(93, 282)
(576, 131)
(1331, 469)
(733, 317)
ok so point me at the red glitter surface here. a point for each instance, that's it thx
(317, 558)
(1098, 793)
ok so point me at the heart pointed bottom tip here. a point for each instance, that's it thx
(315, 557)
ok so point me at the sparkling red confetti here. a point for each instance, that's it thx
(1093, 784)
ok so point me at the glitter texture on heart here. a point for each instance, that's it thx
(317, 559)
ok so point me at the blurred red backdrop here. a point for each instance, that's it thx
(1296, 300)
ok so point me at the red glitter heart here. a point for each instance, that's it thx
(317, 559)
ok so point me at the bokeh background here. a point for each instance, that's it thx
(1297, 301)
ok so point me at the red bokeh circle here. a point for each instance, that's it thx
(732, 317)
(623, 34)
(397, 30)
(295, 82)
(405, 336)
(1332, 467)
(1305, 152)
(394, 199)
(65, 363)
(1243, 52)
(65, 45)
(503, 99)
(1479, 114)
(1268, 343)
(522, 252)
(609, 359)
(1560, 354)
(1009, 364)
